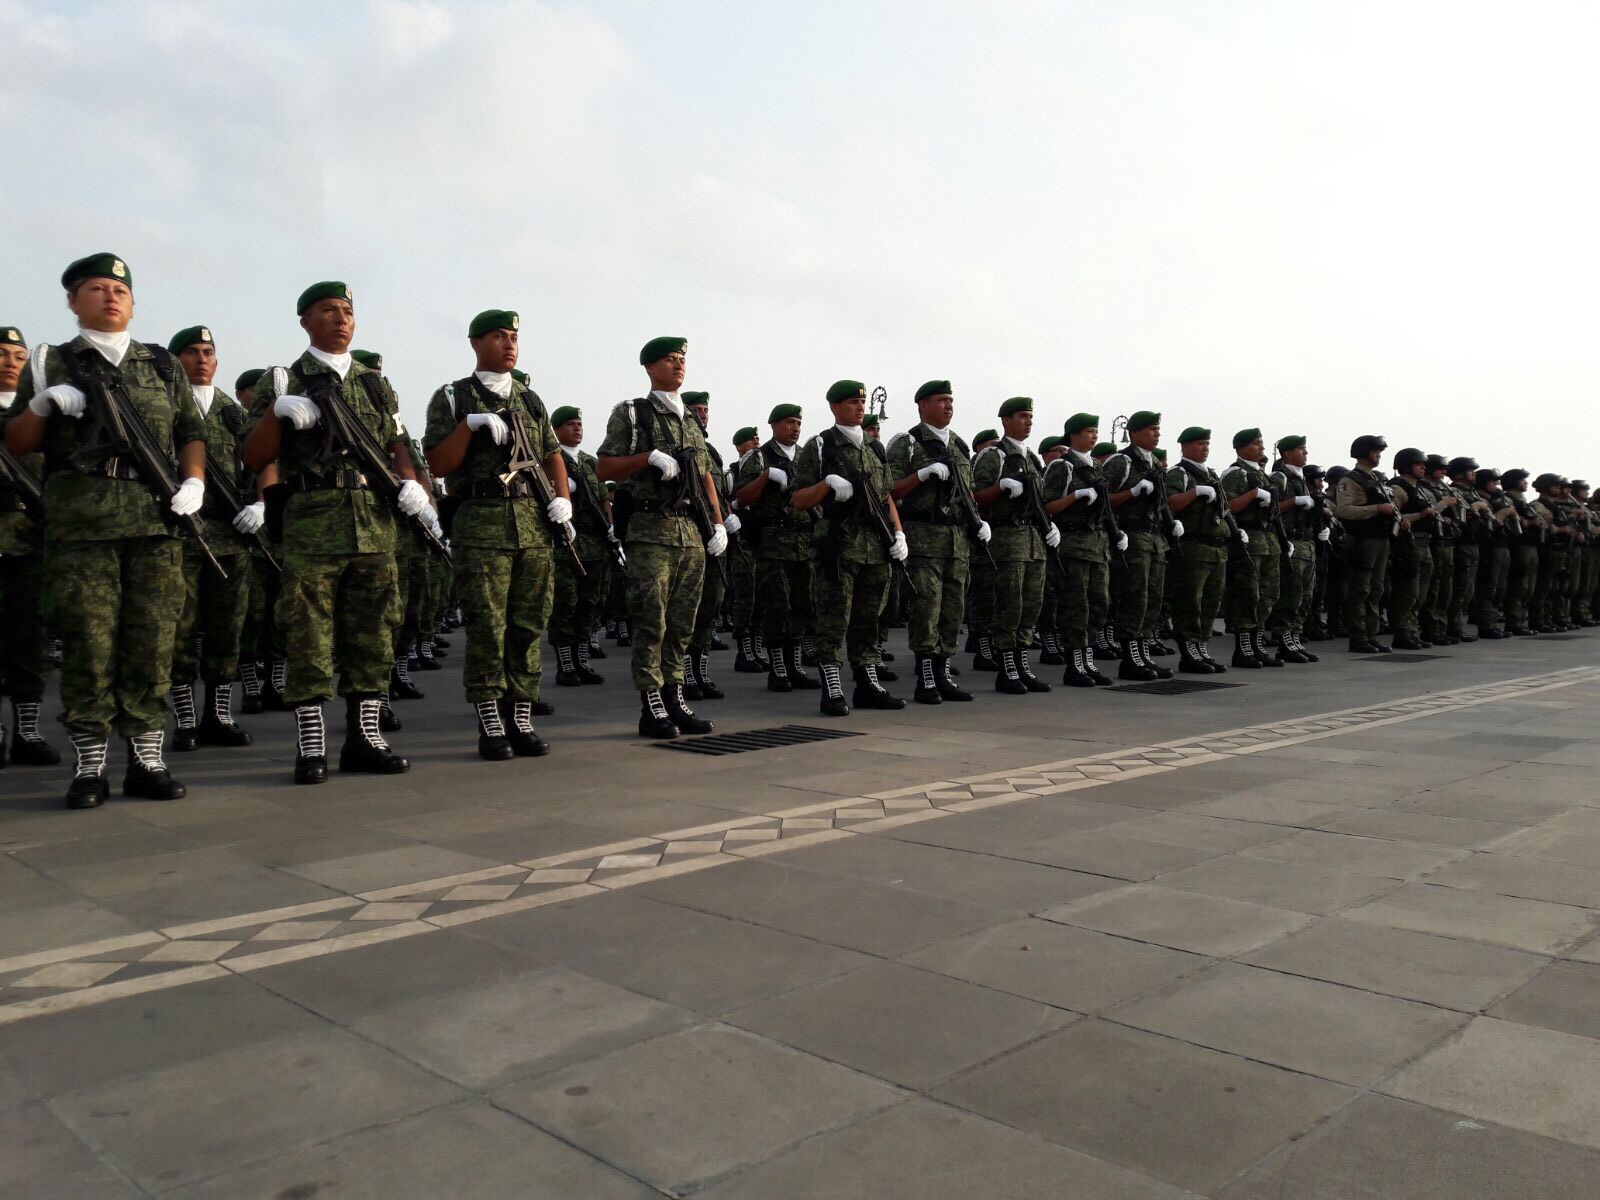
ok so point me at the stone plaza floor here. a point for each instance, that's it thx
(1330, 934)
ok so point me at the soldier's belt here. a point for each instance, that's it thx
(1136, 525)
(914, 518)
(116, 467)
(344, 479)
(1209, 539)
(495, 489)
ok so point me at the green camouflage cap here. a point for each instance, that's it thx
(195, 335)
(567, 412)
(491, 319)
(104, 265)
(847, 389)
(1143, 419)
(934, 387)
(10, 335)
(658, 348)
(1015, 405)
(746, 433)
(782, 412)
(328, 289)
(1078, 422)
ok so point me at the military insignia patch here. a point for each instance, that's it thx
(118, 269)
(515, 321)
(13, 336)
(347, 294)
(205, 334)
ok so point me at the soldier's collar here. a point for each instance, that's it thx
(113, 347)
(204, 395)
(339, 364)
(1192, 463)
(498, 382)
(1079, 457)
(1022, 447)
(1294, 470)
(670, 399)
(942, 434)
(787, 451)
(853, 434)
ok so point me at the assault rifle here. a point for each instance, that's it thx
(519, 458)
(219, 483)
(15, 474)
(864, 504)
(940, 453)
(1033, 507)
(1157, 475)
(690, 492)
(578, 488)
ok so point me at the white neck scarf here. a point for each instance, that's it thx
(1022, 447)
(113, 347)
(1192, 463)
(498, 382)
(7, 399)
(1142, 453)
(1247, 465)
(854, 433)
(942, 434)
(571, 452)
(338, 363)
(1080, 457)
(670, 399)
(1294, 470)
(787, 451)
(204, 394)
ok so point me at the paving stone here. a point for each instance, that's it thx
(1186, 1115)
(24, 930)
(1296, 886)
(1195, 829)
(41, 1159)
(576, 929)
(1182, 920)
(466, 1151)
(1564, 996)
(1061, 965)
(482, 1037)
(1411, 826)
(1384, 1149)
(922, 1151)
(1538, 1080)
(908, 1026)
(389, 868)
(1520, 924)
(1272, 810)
(163, 1128)
(994, 831)
(1104, 852)
(1323, 1029)
(694, 1105)
(1362, 855)
(1400, 962)
(1505, 801)
(1525, 878)
(1557, 843)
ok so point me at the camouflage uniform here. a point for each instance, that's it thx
(1196, 579)
(666, 553)
(1469, 554)
(852, 561)
(936, 535)
(742, 565)
(1366, 559)
(1297, 578)
(1435, 605)
(1082, 562)
(500, 540)
(715, 586)
(1410, 559)
(1555, 559)
(1015, 542)
(415, 579)
(24, 638)
(780, 539)
(580, 600)
(1136, 575)
(1522, 570)
(1253, 577)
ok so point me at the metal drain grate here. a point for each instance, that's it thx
(1169, 687)
(755, 739)
(1403, 658)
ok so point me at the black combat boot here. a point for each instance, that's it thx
(778, 670)
(1244, 652)
(883, 656)
(870, 693)
(1291, 639)
(311, 745)
(400, 685)
(1405, 641)
(425, 658)
(441, 647)
(763, 655)
(586, 673)
(943, 674)
(1008, 680)
(800, 679)
(654, 720)
(387, 721)
(1133, 665)
(701, 666)
(1203, 646)
(147, 777)
(566, 667)
(927, 685)
(984, 659)
(744, 662)
(1075, 675)
(1052, 656)
(682, 715)
(1190, 659)
(623, 637)
(1259, 641)
(691, 686)
(593, 648)
(808, 652)
(885, 675)
(364, 749)
(1161, 672)
(1156, 647)
(493, 744)
(1025, 670)
(1459, 632)
(1092, 670)
(272, 690)
(250, 677)
(217, 727)
(187, 735)
(833, 704)
(28, 749)
(1105, 646)
(524, 738)
(89, 787)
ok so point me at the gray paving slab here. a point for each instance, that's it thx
(922, 1151)
(246, 889)
(910, 1027)
(163, 1130)
(694, 1105)
(1361, 855)
(576, 929)
(41, 1159)
(1553, 842)
(1196, 829)
(997, 830)
(1564, 996)
(1506, 801)
(1539, 1080)
(1105, 852)
(25, 929)
(1183, 920)
(1290, 811)
(1523, 878)
(1502, 920)
(1188, 1116)
(1296, 886)
(1410, 826)
(1385, 1149)
(387, 868)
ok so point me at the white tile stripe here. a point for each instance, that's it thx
(1340, 722)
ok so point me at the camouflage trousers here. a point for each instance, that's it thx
(663, 599)
(1489, 600)
(1434, 609)
(893, 599)
(712, 589)
(980, 596)
(1588, 583)
(1253, 583)
(1522, 576)
(1296, 580)
(849, 598)
(415, 587)
(1550, 590)
(1047, 621)
(24, 638)
(259, 640)
(506, 597)
(579, 599)
(1195, 583)
(1083, 598)
(115, 606)
(1018, 594)
(213, 611)
(1410, 571)
(742, 589)
(784, 599)
(1366, 562)
(933, 614)
(1466, 585)
(1136, 587)
(347, 604)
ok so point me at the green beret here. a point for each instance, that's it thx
(1143, 419)
(1295, 441)
(744, 434)
(658, 348)
(1159, 452)
(1245, 436)
(195, 335)
(1049, 444)
(10, 335)
(1015, 405)
(847, 389)
(934, 387)
(1078, 422)
(328, 289)
(1102, 449)
(1195, 433)
(870, 421)
(247, 381)
(491, 319)
(782, 412)
(520, 376)
(985, 435)
(104, 265)
(695, 398)
(370, 359)
(567, 412)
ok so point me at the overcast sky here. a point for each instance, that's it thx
(1321, 218)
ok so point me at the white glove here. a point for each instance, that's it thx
(430, 516)
(559, 511)
(1204, 491)
(842, 487)
(1263, 496)
(1303, 501)
(191, 494)
(1122, 542)
(1177, 528)
(251, 518)
(718, 541)
(1052, 536)
(732, 523)
(779, 476)
(898, 550)
(297, 410)
(984, 532)
(666, 464)
(497, 428)
(1289, 549)
(1011, 487)
(1244, 537)
(1087, 495)
(611, 536)
(1143, 488)
(934, 471)
(63, 396)
(1324, 535)
(413, 497)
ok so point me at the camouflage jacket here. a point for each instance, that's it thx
(1122, 471)
(935, 524)
(1203, 521)
(225, 423)
(653, 518)
(583, 483)
(1015, 537)
(770, 525)
(83, 507)
(1082, 525)
(843, 527)
(20, 531)
(1255, 518)
(492, 522)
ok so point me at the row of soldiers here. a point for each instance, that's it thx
(300, 539)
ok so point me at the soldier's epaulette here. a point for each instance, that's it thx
(991, 448)
(1229, 470)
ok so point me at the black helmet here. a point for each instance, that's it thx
(1337, 473)
(1366, 444)
(1436, 462)
(1580, 485)
(1546, 482)
(1514, 476)
(1484, 476)
(1462, 465)
(1312, 471)
(1407, 457)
